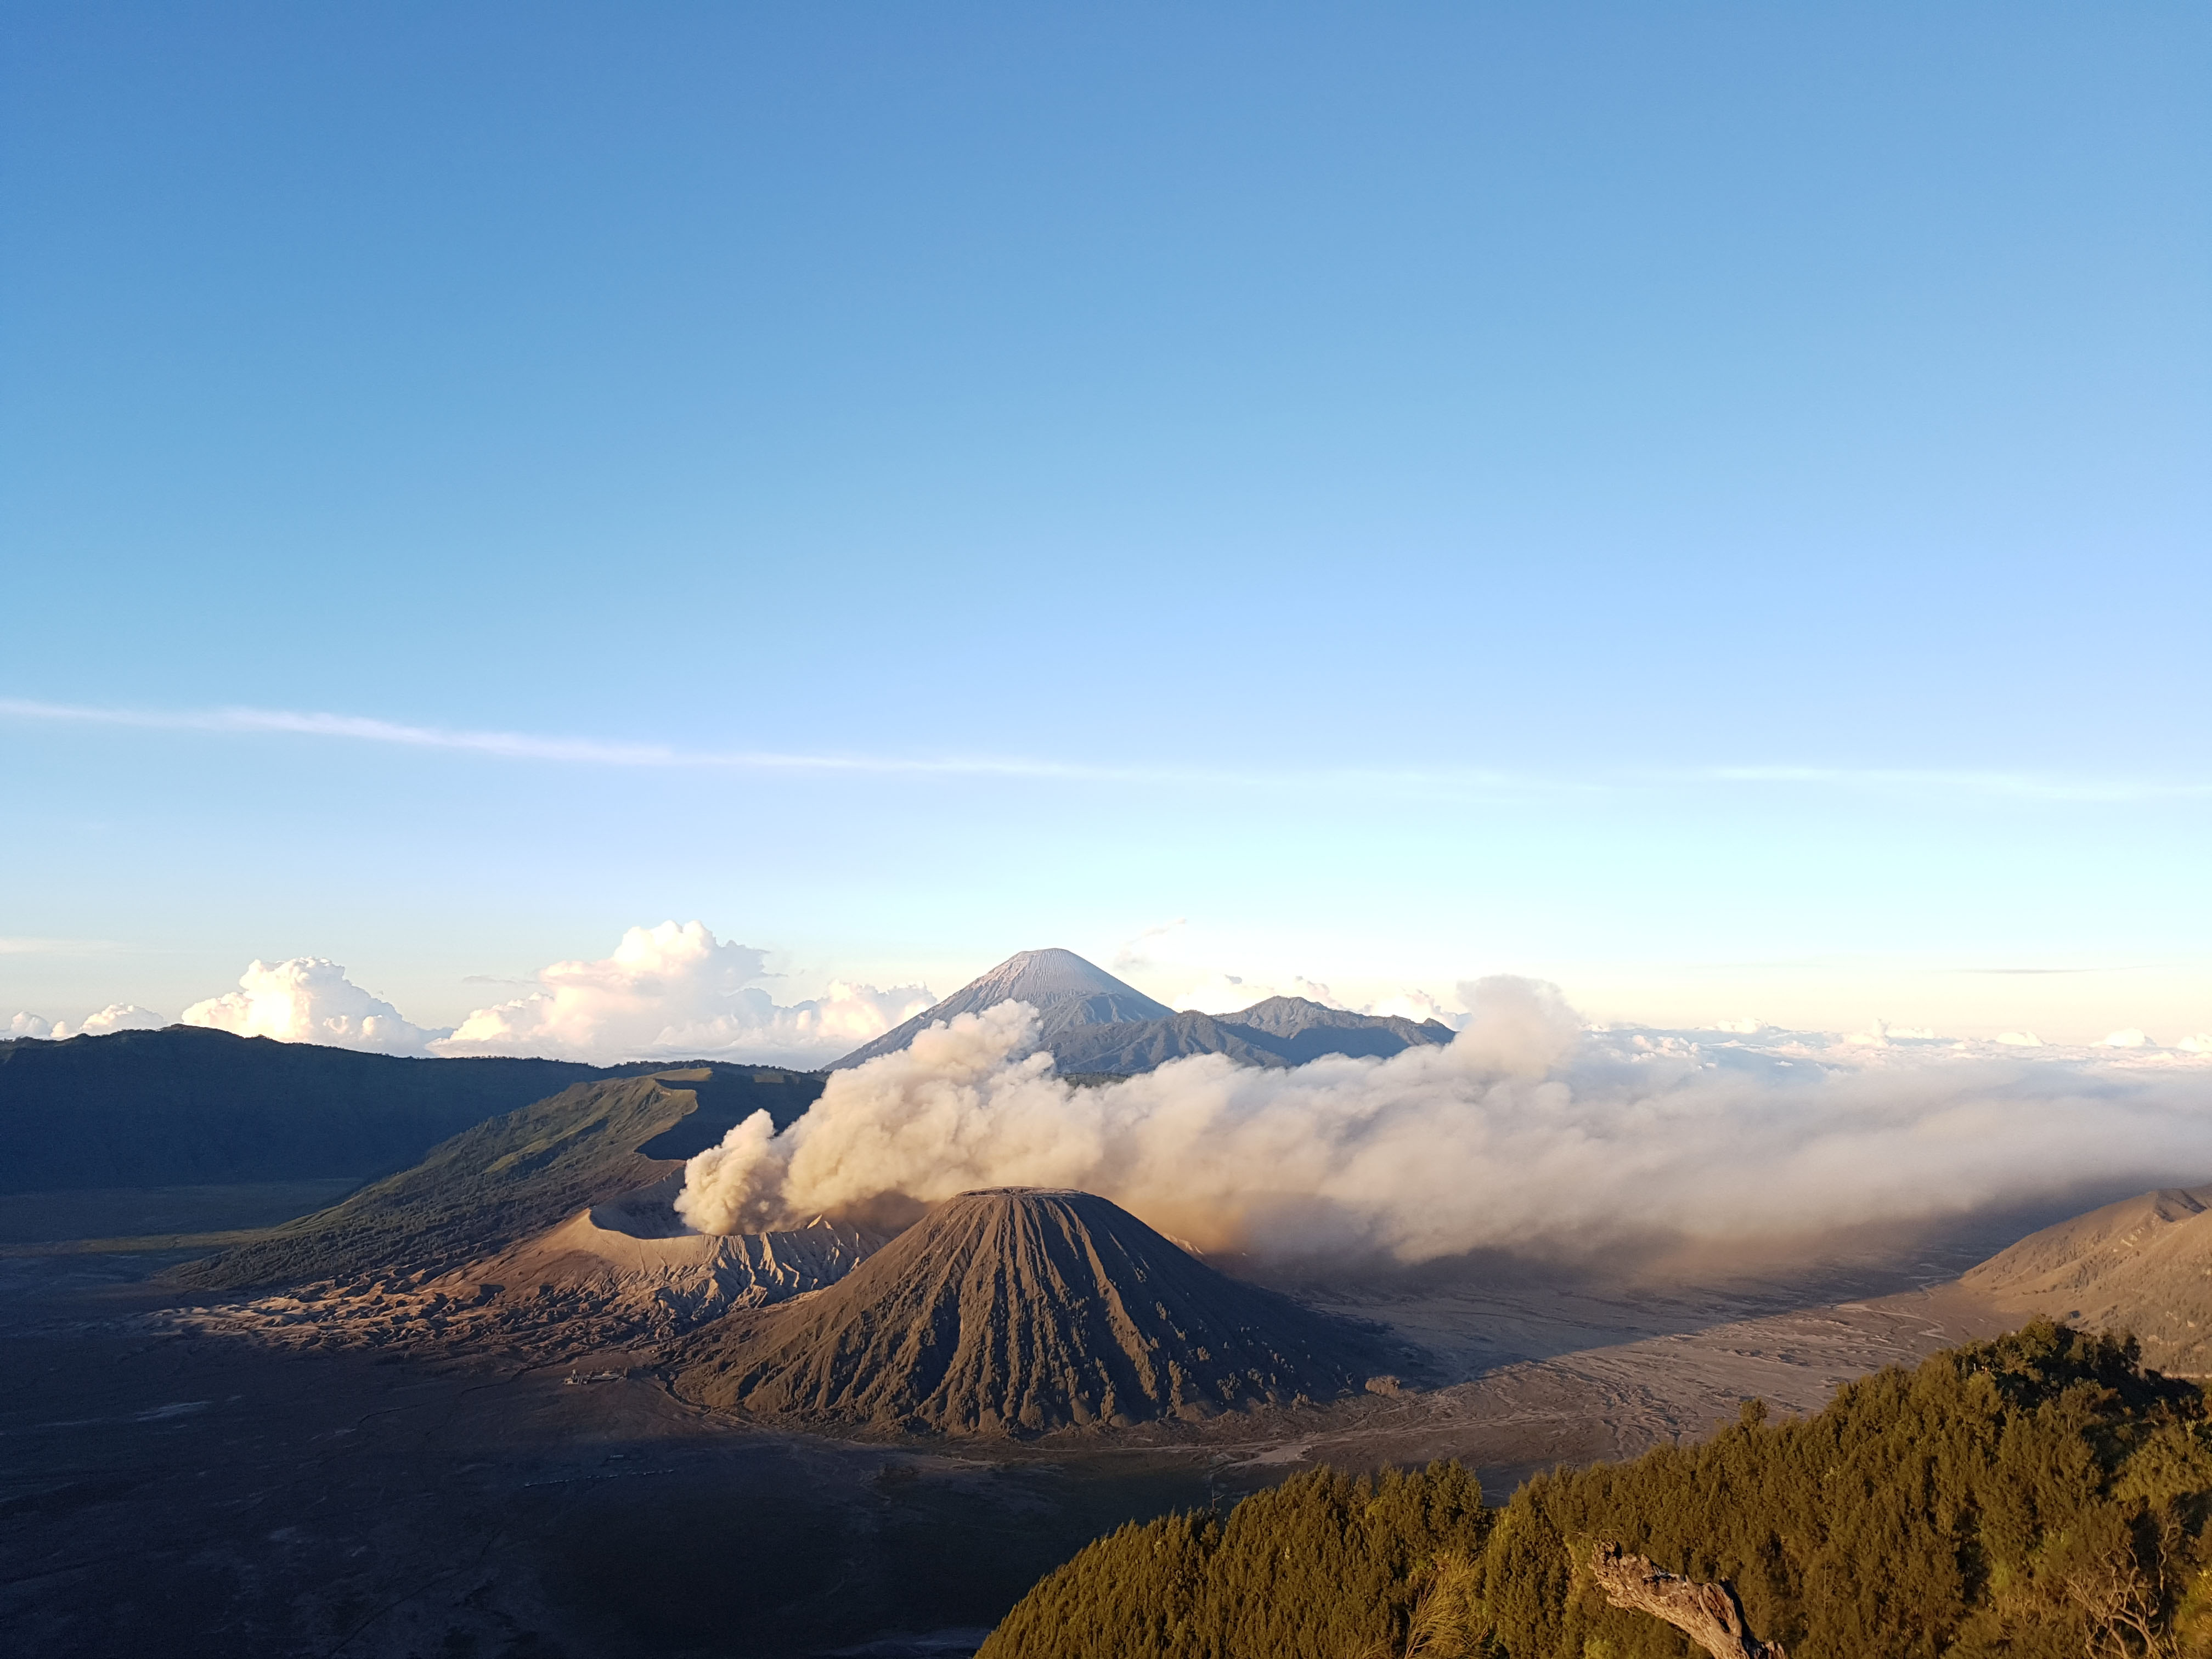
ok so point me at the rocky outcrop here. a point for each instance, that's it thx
(1709, 1614)
(661, 1282)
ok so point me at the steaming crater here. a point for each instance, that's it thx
(633, 1255)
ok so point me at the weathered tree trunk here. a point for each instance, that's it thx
(1708, 1614)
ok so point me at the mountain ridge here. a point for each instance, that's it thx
(499, 1182)
(1065, 990)
(1084, 1021)
(2142, 1265)
(187, 1103)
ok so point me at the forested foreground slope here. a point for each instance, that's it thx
(2038, 1496)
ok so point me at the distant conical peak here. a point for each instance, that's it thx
(1065, 990)
(1053, 972)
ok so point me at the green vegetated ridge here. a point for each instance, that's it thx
(169, 1108)
(499, 1182)
(2036, 1497)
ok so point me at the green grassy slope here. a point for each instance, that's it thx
(519, 1174)
(2039, 1496)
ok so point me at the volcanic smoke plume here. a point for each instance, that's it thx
(1527, 1132)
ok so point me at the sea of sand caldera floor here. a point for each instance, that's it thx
(207, 1485)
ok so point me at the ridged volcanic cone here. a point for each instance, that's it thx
(1016, 1309)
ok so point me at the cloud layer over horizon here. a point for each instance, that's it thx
(673, 992)
(1528, 1132)
(677, 992)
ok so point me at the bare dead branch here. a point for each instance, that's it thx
(1709, 1614)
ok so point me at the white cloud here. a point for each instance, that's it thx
(2020, 1039)
(2132, 1037)
(310, 999)
(671, 992)
(677, 993)
(1882, 1035)
(1525, 1132)
(116, 1017)
(2199, 1044)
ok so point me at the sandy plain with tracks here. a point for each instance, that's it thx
(362, 1473)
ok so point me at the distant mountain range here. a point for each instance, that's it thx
(1093, 1023)
(150, 1109)
(189, 1105)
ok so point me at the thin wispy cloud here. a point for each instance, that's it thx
(589, 751)
(512, 745)
(56, 947)
(593, 751)
(2021, 786)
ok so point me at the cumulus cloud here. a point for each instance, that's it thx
(116, 1017)
(310, 999)
(670, 992)
(1527, 1132)
(677, 993)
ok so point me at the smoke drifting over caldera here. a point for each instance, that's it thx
(1527, 1132)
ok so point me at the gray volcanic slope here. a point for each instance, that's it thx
(1302, 1029)
(1013, 1310)
(1280, 1031)
(1093, 1023)
(1065, 991)
(1139, 1046)
(2142, 1265)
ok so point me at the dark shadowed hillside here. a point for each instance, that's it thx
(1013, 1310)
(186, 1105)
(500, 1181)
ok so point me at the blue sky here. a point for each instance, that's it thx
(1706, 503)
